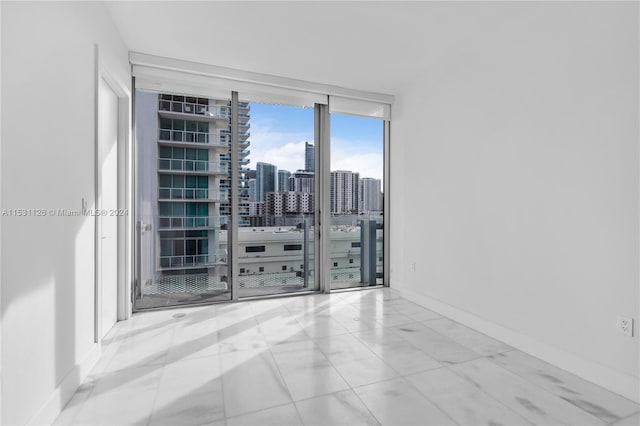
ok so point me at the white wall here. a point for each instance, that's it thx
(517, 155)
(48, 136)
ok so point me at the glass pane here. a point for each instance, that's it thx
(357, 170)
(182, 246)
(276, 245)
(191, 154)
(191, 126)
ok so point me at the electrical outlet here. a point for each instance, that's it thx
(625, 325)
(413, 266)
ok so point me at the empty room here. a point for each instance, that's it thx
(320, 213)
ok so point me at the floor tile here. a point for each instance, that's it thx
(251, 382)
(600, 402)
(306, 371)
(391, 319)
(414, 311)
(140, 351)
(437, 346)
(525, 398)
(341, 408)
(405, 358)
(122, 397)
(468, 337)
(343, 348)
(277, 330)
(321, 327)
(194, 342)
(363, 371)
(633, 420)
(396, 402)
(356, 358)
(70, 411)
(465, 403)
(189, 407)
(200, 374)
(240, 336)
(284, 415)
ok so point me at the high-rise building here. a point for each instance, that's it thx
(369, 196)
(184, 181)
(283, 180)
(252, 189)
(344, 191)
(301, 181)
(287, 203)
(243, 161)
(309, 157)
(266, 179)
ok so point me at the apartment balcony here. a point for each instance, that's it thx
(191, 167)
(175, 223)
(192, 194)
(243, 152)
(194, 139)
(242, 136)
(193, 261)
(177, 109)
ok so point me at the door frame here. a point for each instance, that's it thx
(103, 72)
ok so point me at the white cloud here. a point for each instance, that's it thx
(368, 165)
(357, 156)
(286, 150)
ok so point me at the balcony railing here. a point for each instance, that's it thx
(203, 166)
(182, 222)
(219, 258)
(203, 194)
(215, 111)
(215, 138)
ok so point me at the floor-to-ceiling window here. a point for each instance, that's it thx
(182, 168)
(356, 201)
(263, 191)
(276, 204)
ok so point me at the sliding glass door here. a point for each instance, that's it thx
(276, 199)
(244, 196)
(356, 201)
(182, 150)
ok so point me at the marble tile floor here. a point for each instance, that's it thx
(355, 358)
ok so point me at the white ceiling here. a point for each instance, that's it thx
(371, 46)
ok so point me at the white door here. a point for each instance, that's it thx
(107, 203)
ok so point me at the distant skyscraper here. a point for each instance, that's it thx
(309, 157)
(301, 181)
(266, 179)
(283, 180)
(252, 189)
(344, 191)
(369, 196)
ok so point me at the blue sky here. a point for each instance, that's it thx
(278, 134)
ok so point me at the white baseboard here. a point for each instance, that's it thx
(65, 389)
(622, 384)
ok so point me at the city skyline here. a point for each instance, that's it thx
(279, 134)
